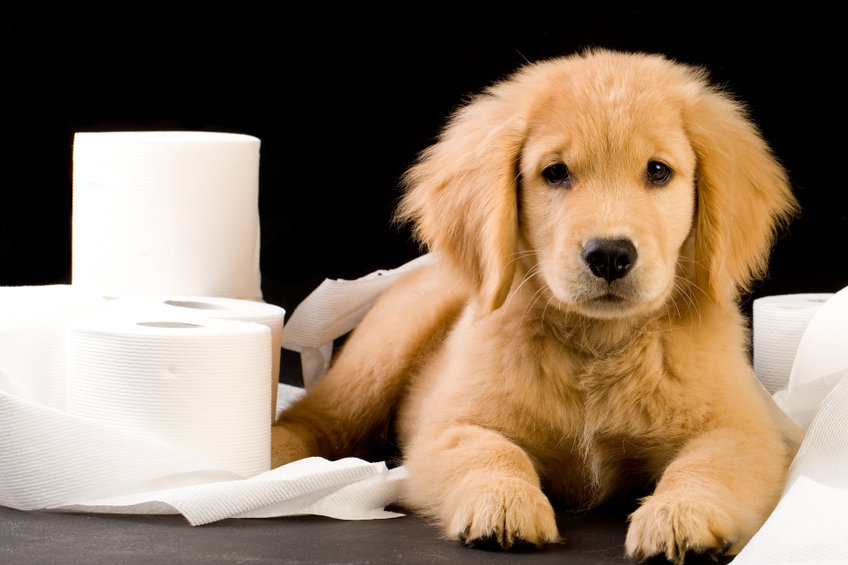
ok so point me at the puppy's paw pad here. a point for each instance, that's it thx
(671, 529)
(509, 514)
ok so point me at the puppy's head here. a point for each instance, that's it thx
(609, 178)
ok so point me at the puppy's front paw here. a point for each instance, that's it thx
(672, 528)
(506, 513)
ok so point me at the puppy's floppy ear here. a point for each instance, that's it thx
(743, 195)
(462, 192)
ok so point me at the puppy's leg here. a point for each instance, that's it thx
(712, 498)
(481, 487)
(347, 411)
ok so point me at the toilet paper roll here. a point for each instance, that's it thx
(166, 213)
(202, 387)
(33, 322)
(778, 325)
(193, 308)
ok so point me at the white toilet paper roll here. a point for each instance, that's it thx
(201, 387)
(778, 324)
(166, 213)
(33, 322)
(193, 308)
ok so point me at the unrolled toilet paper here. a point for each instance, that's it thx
(51, 459)
(332, 310)
(779, 323)
(193, 308)
(202, 387)
(166, 213)
(33, 321)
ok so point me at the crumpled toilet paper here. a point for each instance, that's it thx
(52, 460)
(334, 309)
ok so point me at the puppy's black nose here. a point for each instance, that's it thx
(609, 259)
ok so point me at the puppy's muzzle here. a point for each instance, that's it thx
(609, 259)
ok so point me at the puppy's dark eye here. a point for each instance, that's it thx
(557, 175)
(658, 174)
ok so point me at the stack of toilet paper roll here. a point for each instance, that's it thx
(144, 387)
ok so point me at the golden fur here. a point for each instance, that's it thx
(510, 373)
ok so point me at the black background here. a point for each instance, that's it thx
(344, 95)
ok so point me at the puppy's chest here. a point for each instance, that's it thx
(631, 392)
(616, 426)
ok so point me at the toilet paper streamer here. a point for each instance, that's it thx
(148, 376)
(779, 323)
(33, 322)
(334, 309)
(53, 460)
(194, 308)
(166, 213)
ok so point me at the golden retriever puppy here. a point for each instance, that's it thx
(595, 218)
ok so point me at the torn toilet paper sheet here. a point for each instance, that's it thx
(334, 309)
(92, 467)
(347, 489)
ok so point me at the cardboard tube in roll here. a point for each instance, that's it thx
(202, 387)
(194, 308)
(166, 213)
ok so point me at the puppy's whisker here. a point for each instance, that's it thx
(534, 299)
(530, 274)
